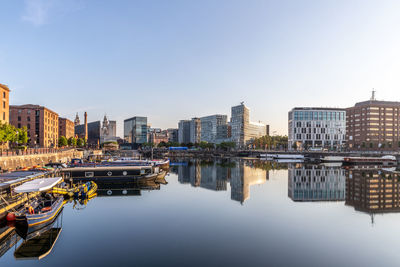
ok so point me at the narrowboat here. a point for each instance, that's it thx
(102, 173)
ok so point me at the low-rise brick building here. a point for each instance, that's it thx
(66, 128)
(41, 122)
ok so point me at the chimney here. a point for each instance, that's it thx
(86, 127)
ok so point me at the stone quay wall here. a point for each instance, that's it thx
(21, 161)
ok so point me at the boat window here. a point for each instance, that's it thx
(89, 174)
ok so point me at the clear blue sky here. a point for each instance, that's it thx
(171, 60)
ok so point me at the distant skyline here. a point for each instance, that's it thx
(173, 60)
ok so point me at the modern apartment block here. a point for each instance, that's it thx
(242, 129)
(135, 130)
(211, 128)
(184, 131)
(373, 125)
(41, 122)
(4, 108)
(172, 135)
(195, 130)
(66, 128)
(317, 128)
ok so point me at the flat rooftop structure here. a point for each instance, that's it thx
(7, 179)
(377, 102)
(317, 108)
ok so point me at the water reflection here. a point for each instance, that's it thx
(373, 190)
(215, 175)
(316, 183)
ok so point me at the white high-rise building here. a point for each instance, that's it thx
(317, 128)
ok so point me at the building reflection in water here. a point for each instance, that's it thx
(316, 183)
(215, 175)
(373, 191)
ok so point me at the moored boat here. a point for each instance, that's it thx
(41, 209)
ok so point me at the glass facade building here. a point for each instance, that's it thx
(242, 130)
(135, 130)
(316, 128)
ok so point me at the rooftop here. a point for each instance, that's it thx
(30, 106)
(317, 108)
(4, 87)
(377, 102)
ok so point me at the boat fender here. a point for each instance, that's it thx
(31, 210)
(10, 217)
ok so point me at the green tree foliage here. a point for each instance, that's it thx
(80, 142)
(271, 142)
(8, 133)
(72, 141)
(22, 135)
(62, 141)
(226, 145)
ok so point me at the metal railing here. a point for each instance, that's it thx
(30, 151)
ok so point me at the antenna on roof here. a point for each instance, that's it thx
(373, 95)
(241, 103)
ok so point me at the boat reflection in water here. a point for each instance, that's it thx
(373, 190)
(316, 183)
(129, 189)
(216, 174)
(38, 243)
(8, 238)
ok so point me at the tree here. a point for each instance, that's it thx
(22, 135)
(162, 144)
(62, 141)
(294, 146)
(80, 142)
(72, 141)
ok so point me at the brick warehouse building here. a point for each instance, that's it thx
(4, 106)
(66, 127)
(42, 124)
(373, 125)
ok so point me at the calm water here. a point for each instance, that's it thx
(236, 213)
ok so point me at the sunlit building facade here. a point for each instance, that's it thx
(211, 127)
(242, 130)
(316, 128)
(135, 130)
(374, 125)
(4, 107)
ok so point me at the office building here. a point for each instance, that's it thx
(210, 126)
(66, 128)
(172, 135)
(5, 109)
(41, 122)
(373, 125)
(91, 131)
(242, 129)
(317, 128)
(195, 130)
(184, 131)
(135, 130)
